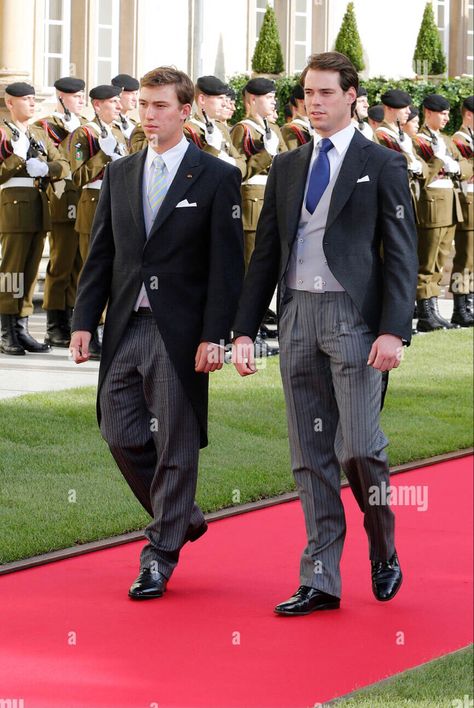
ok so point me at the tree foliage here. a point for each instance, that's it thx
(267, 57)
(348, 40)
(429, 56)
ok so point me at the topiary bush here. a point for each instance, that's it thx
(348, 40)
(429, 56)
(267, 57)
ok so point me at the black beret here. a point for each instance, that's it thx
(298, 92)
(394, 98)
(469, 103)
(435, 102)
(105, 91)
(19, 89)
(361, 91)
(125, 82)
(260, 87)
(211, 86)
(231, 94)
(413, 113)
(376, 113)
(69, 84)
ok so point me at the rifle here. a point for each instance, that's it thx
(35, 148)
(401, 134)
(123, 121)
(209, 125)
(104, 133)
(268, 130)
(67, 112)
(359, 120)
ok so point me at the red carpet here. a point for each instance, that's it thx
(182, 651)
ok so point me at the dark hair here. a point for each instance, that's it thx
(167, 75)
(334, 61)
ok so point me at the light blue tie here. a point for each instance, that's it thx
(158, 184)
(319, 178)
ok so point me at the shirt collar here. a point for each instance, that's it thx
(340, 140)
(170, 157)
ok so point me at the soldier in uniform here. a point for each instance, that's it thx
(375, 117)
(28, 160)
(439, 208)
(128, 101)
(137, 140)
(205, 128)
(462, 277)
(258, 145)
(229, 106)
(65, 260)
(298, 130)
(91, 148)
(361, 113)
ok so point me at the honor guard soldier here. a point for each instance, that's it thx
(206, 129)
(91, 148)
(462, 277)
(375, 118)
(298, 131)
(439, 209)
(128, 101)
(361, 113)
(28, 161)
(65, 260)
(258, 141)
(229, 106)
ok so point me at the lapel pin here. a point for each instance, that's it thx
(189, 176)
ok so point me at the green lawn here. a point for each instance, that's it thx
(50, 445)
(444, 683)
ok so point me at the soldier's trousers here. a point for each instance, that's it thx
(84, 244)
(461, 282)
(434, 248)
(21, 256)
(65, 263)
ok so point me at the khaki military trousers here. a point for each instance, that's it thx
(462, 276)
(252, 203)
(434, 248)
(21, 256)
(65, 263)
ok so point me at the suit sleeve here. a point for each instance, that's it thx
(400, 260)
(226, 259)
(262, 274)
(96, 275)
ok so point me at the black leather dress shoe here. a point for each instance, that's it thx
(307, 600)
(386, 578)
(192, 534)
(148, 585)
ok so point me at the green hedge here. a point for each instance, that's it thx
(455, 90)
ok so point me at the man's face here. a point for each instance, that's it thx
(362, 106)
(74, 101)
(411, 128)
(327, 105)
(264, 105)
(128, 100)
(214, 106)
(22, 108)
(108, 109)
(402, 115)
(162, 115)
(436, 120)
(468, 119)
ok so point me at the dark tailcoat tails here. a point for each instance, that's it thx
(191, 263)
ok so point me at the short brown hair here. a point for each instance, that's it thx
(166, 75)
(334, 61)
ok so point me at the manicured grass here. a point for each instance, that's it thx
(59, 485)
(446, 682)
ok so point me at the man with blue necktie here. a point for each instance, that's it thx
(337, 236)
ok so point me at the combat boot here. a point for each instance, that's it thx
(57, 331)
(427, 322)
(9, 343)
(26, 340)
(435, 310)
(461, 315)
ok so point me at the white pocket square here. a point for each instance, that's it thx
(365, 178)
(185, 203)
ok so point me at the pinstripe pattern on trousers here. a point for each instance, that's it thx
(153, 435)
(333, 409)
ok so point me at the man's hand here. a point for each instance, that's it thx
(36, 167)
(71, 123)
(215, 138)
(271, 143)
(108, 144)
(243, 356)
(21, 145)
(386, 352)
(209, 357)
(79, 346)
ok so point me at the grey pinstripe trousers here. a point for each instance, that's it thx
(333, 410)
(153, 435)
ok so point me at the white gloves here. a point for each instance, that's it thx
(439, 149)
(214, 139)
(36, 167)
(406, 145)
(271, 143)
(415, 166)
(21, 146)
(108, 144)
(128, 130)
(71, 124)
(450, 165)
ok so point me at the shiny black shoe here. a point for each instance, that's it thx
(148, 585)
(192, 534)
(307, 600)
(386, 578)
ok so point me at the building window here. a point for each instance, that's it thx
(302, 36)
(470, 38)
(107, 40)
(57, 27)
(261, 6)
(441, 13)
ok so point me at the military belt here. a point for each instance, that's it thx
(441, 183)
(18, 182)
(257, 179)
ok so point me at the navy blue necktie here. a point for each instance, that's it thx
(319, 178)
